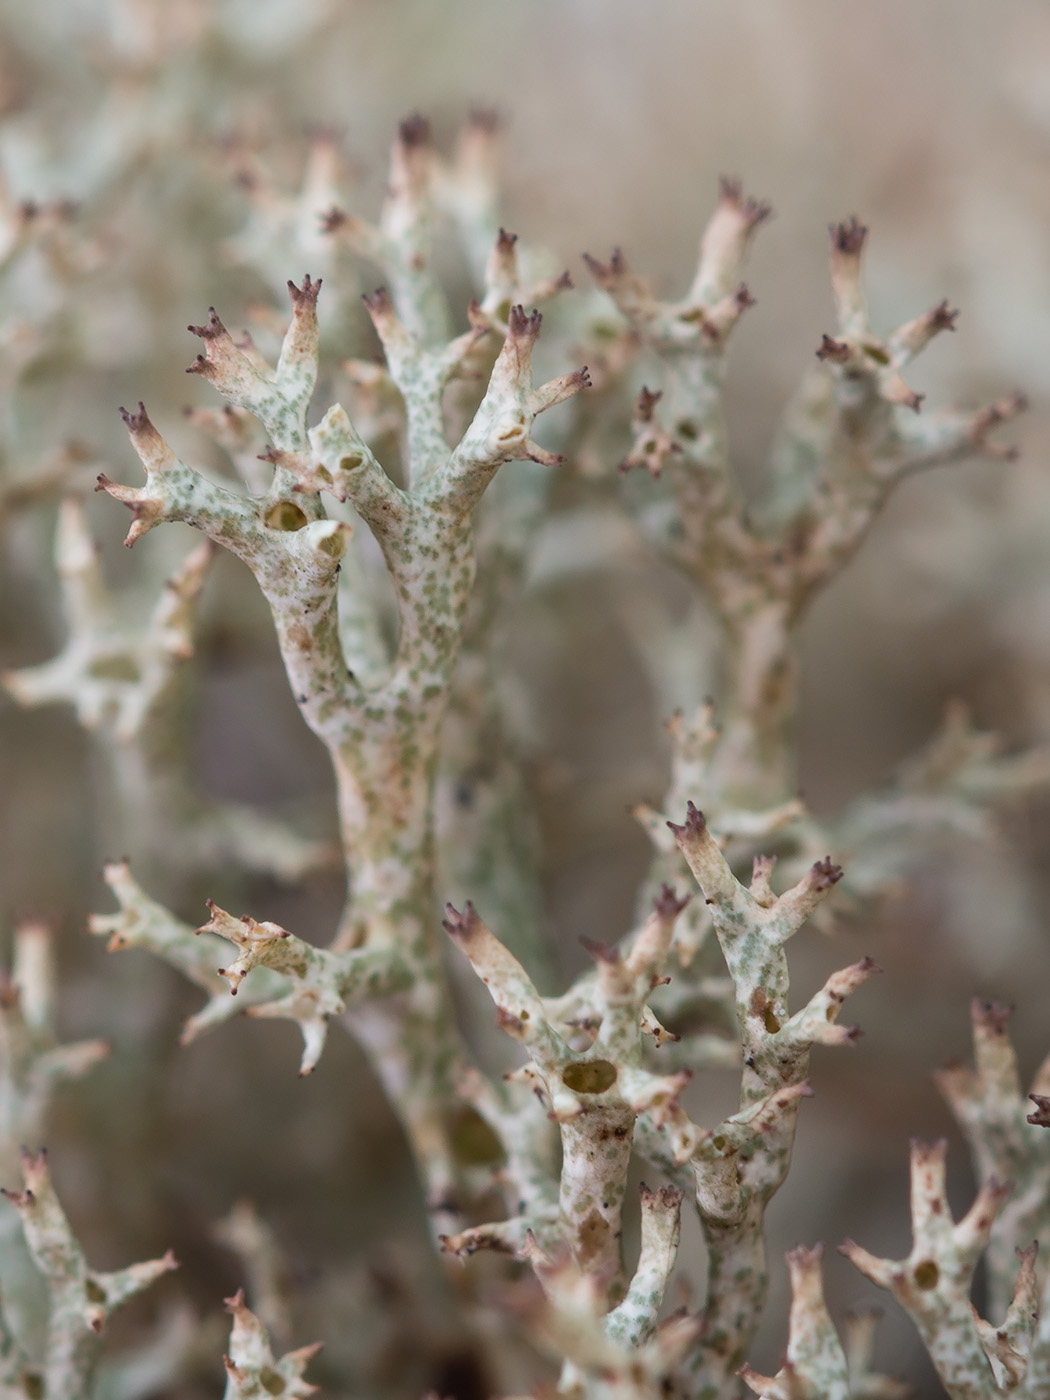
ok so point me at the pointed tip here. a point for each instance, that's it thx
(414, 131)
(694, 821)
(848, 236)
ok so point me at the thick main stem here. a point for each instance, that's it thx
(411, 1039)
(736, 1294)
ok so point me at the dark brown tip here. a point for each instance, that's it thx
(667, 904)
(505, 241)
(414, 131)
(1040, 1118)
(824, 874)
(332, 219)
(212, 330)
(849, 236)
(606, 273)
(694, 821)
(645, 403)
(379, 303)
(731, 192)
(522, 325)
(460, 925)
(136, 422)
(943, 317)
(305, 296)
(831, 349)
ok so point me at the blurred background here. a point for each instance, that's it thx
(931, 122)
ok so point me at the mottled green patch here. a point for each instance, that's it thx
(589, 1076)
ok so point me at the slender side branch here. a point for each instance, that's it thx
(82, 1298)
(989, 1106)
(734, 1182)
(933, 1283)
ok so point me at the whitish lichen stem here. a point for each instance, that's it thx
(383, 739)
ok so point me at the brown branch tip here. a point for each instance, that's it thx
(305, 296)
(414, 131)
(604, 273)
(824, 874)
(667, 905)
(694, 821)
(212, 330)
(848, 236)
(600, 952)
(333, 219)
(137, 422)
(731, 192)
(522, 326)
(460, 925)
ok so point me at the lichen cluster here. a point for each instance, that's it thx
(389, 540)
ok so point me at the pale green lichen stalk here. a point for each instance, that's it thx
(852, 434)
(536, 1165)
(973, 1359)
(383, 736)
(585, 1052)
(81, 1298)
